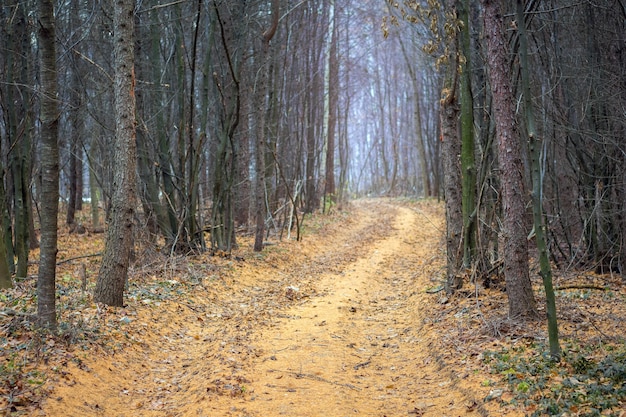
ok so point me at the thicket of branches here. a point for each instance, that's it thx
(250, 114)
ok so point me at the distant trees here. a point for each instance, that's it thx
(249, 115)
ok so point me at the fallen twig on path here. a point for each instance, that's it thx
(300, 375)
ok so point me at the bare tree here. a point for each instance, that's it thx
(119, 244)
(514, 227)
(46, 296)
(330, 107)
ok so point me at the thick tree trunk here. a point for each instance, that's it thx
(119, 245)
(468, 166)
(514, 195)
(46, 308)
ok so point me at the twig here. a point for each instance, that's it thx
(585, 315)
(420, 212)
(580, 287)
(78, 257)
(320, 379)
(497, 264)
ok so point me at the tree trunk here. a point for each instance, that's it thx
(71, 201)
(20, 168)
(20, 151)
(262, 114)
(514, 196)
(468, 167)
(46, 309)
(450, 151)
(94, 193)
(119, 244)
(535, 154)
(5, 272)
(230, 18)
(194, 228)
(332, 85)
(311, 105)
(417, 122)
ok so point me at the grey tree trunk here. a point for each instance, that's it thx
(46, 309)
(514, 195)
(332, 85)
(119, 244)
(262, 114)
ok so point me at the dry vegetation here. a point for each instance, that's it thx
(354, 313)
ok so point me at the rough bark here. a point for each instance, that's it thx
(450, 152)
(119, 244)
(513, 189)
(46, 308)
(468, 167)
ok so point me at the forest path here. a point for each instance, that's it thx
(336, 325)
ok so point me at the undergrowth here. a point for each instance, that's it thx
(588, 381)
(30, 357)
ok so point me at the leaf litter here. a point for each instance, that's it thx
(346, 322)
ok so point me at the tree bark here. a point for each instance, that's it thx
(514, 196)
(332, 84)
(230, 19)
(450, 151)
(5, 272)
(119, 244)
(262, 113)
(46, 308)
(537, 181)
(468, 166)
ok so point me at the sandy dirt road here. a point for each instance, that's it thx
(335, 325)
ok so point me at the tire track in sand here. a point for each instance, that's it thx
(360, 348)
(352, 341)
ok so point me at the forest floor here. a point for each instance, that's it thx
(349, 321)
